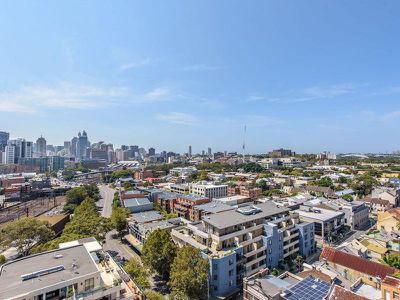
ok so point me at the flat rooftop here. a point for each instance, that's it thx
(12, 285)
(136, 202)
(214, 207)
(146, 216)
(233, 217)
(319, 214)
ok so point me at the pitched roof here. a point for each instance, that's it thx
(375, 201)
(392, 281)
(315, 274)
(356, 263)
(340, 293)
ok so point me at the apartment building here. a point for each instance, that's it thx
(356, 213)
(377, 205)
(326, 222)
(246, 191)
(241, 242)
(78, 270)
(209, 190)
(183, 205)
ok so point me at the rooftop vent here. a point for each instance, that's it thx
(43, 272)
(250, 210)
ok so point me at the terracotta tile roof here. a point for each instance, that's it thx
(395, 212)
(356, 263)
(315, 274)
(339, 293)
(375, 201)
(392, 281)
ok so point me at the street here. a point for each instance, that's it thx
(107, 195)
(117, 248)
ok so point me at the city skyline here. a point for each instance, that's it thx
(307, 78)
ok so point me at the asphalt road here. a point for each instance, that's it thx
(117, 248)
(107, 195)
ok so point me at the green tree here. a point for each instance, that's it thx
(275, 272)
(87, 222)
(326, 182)
(76, 195)
(189, 275)
(392, 260)
(119, 219)
(2, 259)
(25, 233)
(138, 273)
(159, 252)
(153, 295)
(299, 262)
(127, 186)
(202, 175)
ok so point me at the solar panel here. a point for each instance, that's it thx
(310, 288)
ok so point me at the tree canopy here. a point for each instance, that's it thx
(138, 273)
(159, 252)
(76, 195)
(119, 219)
(189, 275)
(25, 233)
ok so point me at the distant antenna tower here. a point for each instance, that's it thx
(244, 144)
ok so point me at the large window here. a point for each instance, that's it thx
(89, 284)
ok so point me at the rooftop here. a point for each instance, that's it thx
(340, 293)
(136, 202)
(310, 288)
(234, 217)
(146, 216)
(214, 207)
(12, 283)
(319, 214)
(356, 263)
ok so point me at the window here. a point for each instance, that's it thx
(215, 266)
(230, 282)
(215, 277)
(396, 295)
(230, 272)
(230, 261)
(89, 284)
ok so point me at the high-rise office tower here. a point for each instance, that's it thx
(74, 143)
(209, 151)
(67, 147)
(41, 146)
(82, 145)
(190, 151)
(16, 149)
(152, 151)
(4, 137)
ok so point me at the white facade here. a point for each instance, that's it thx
(209, 190)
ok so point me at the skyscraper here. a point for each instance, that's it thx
(4, 137)
(67, 147)
(74, 143)
(152, 151)
(16, 149)
(41, 146)
(209, 152)
(190, 151)
(82, 145)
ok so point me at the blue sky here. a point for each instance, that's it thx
(306, 75)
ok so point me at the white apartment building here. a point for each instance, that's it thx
(78, 270)
(209, 190)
